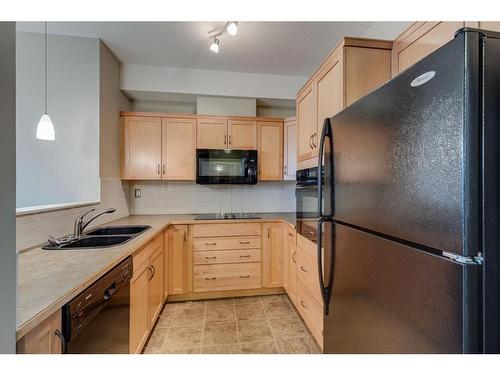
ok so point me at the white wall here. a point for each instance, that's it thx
(8, 259)
(209, 82)
(165, 197)
(214, 105)
(65, 170)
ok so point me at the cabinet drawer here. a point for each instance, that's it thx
(216, 277)
(307, 273)
(226, 243)
(145, 252)
(311, 311)
(226, 256)
(222, 230)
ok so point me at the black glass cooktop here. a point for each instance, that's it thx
(226, 216)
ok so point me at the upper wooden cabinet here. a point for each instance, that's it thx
(211, 133)
(423, 38)
(270, 150)
(178, 149)
(290, 148)
(355, 68)
(242, 134)
(141, 148)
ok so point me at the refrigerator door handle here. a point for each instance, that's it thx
(326, 290)
(326, 134)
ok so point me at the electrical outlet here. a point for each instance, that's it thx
(137, 193)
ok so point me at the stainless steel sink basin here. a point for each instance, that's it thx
(99, 238)
(118, 230)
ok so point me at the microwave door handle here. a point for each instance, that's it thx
(326, 134)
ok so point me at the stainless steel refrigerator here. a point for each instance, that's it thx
(409, 235)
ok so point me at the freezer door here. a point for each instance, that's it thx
(405, 156)
(391, 298)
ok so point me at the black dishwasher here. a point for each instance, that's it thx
(97, 320)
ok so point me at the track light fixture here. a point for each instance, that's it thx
(230, 27)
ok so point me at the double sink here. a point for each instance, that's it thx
(101, 237)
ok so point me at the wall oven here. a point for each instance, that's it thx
(306, 196)
(226, 166)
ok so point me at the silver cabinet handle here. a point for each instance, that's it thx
(244, 277)
(158, 169)
(210, 278)
(244, 256)
(313, 137)
(293, 257)
(210, 243)
(164, 169)
(244, 242)
(225, 139)
(210, 257)
(303, 269)
(310, 142)
(304, 306)
(230, 139)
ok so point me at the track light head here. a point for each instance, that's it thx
(214, 47)
(232, 28)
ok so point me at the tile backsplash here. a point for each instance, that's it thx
(171, 197)
(34, 229)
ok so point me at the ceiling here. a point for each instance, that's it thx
(283, 48)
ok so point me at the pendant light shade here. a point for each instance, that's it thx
(45, 128)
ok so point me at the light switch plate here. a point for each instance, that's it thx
(137, 193)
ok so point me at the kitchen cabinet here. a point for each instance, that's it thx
(165, 265)
(45, 338)
(146, 292)
(272, 255)
(242, 134)
(290, 263)
(270, 150)
(178, 148)
(353, 69)
(423, 38)
(180, 260)
(141, 148)
(290, 148)
(211, 133)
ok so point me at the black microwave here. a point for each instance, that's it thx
(226, 167)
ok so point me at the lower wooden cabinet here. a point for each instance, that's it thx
(290, 263)
(43, 339)
(272, 255)
(146, 293)
(311, 311)
(180, 260)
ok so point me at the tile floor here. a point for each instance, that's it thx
(259, 325)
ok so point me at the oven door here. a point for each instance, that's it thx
(307, 216)
(226, 166)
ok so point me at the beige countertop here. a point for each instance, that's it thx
(49, 279)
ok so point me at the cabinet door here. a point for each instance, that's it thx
(242, 134)
(272, 255)
(290, 263)
(290, 148)
(139, 308)
(44, 338)
(330, 95)
(165, 265)
(307, 123)
(211, 133)
(156, 286)
(270, 153)
(421, 40)
(178, 149)
(141, 148)
(180, 260)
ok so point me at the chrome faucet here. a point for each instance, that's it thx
(80, 225)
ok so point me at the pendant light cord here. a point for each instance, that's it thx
(46, 90)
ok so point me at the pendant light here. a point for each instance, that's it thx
(45, 129)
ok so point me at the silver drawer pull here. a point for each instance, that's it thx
(303, 269)
(210, 257)
(210, 244)
(244, 256)
(210, 278)
(244, 277)
(304, 306)
(244, 242)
